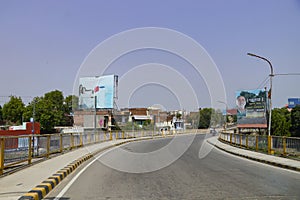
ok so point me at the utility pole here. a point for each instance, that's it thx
(95, 113)
(225, 114)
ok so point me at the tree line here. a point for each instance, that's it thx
(284, 122)
(50, 110)
(53, 109)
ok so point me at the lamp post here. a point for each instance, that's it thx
(225, 113)
(33, 127)
(270, 97)
(95, 114)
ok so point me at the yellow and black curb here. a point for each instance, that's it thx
(258, 159)
(41, 190)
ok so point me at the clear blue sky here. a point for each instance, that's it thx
(43, 43)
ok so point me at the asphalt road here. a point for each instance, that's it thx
(217, 176)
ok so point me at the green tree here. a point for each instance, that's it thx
(295, 121)
(178, 115)
(50, 110)
(30, 110)
(41, 110)
(13, 110)
(281, 122)
(205, 118)
(1, 115)
(68, 106)
(75, 102)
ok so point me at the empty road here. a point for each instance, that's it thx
(217, 176)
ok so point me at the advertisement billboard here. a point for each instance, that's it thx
(251, 107)
(97, 92)
(293, 102)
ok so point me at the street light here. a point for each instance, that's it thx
(95, 113)
(225, 113)
(270, 97)
(32, 125)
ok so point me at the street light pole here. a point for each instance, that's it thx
(33, 128)
(95, 114)
(270, 97)
(225, 113)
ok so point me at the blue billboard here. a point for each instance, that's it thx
(293, 102)
(97, 92)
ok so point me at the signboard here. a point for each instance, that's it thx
(293, 102)
(251, 107)
(97, 92)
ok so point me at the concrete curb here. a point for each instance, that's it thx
(41, 190)
(257, 159)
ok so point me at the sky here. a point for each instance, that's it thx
(43, 45)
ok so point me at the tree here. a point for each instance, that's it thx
(52, 110)
(1, 118)
(295, 121)
(205, 118)
(281, 122)
(217, 118)
(30, 110)
(68, 106)
(178, 115)
(74, 101)
(193, 119)
(13, 110)
(49, 110)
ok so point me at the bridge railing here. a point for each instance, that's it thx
(283, 146)
(22, 150)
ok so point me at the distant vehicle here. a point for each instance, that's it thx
(166, 128)
(213, 131)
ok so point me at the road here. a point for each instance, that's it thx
(217, 176)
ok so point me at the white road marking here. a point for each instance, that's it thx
(65, 189)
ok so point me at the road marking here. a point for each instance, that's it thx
(65, 189)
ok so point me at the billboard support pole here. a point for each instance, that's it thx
(270, 97)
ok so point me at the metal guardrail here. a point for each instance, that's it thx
(17, 150)
(285, 146)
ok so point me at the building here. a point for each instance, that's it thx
(26, 129)
(102, 119)
(139, 116)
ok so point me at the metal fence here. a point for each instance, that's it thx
(16, 150)
(285, 146)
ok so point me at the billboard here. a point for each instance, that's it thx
(293, 102)
(97, 92)
(251, 107)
